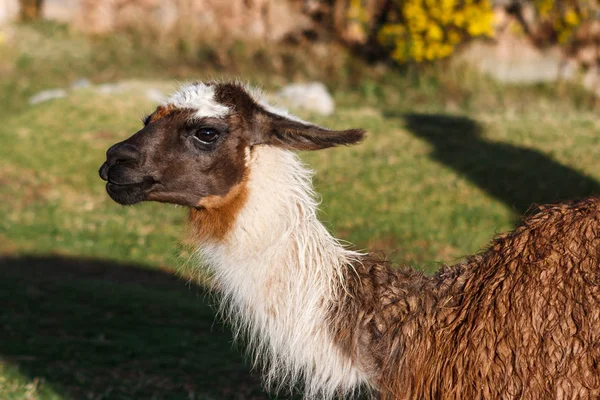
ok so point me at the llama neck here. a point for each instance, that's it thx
(280, 271)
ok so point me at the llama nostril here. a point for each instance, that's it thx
(121, 153)
(104, 171)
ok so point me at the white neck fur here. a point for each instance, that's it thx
(279, 269)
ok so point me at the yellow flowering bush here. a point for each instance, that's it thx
(424, 30)
(564, 16)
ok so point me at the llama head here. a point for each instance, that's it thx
(194, 150)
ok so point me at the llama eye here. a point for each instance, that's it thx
(206, 135)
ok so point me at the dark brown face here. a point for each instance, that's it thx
(176, 160)
(182, 156)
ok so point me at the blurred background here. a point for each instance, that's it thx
(476, 110)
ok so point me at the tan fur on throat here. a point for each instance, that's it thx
(215, 215)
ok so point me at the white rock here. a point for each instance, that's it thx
(514, 60)
(81, 83)
(109, 88)
(312, 96)
(47, 95)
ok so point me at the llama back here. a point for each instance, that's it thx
(527, 322)
(519, 320)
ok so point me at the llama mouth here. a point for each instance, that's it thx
(129, 193)
(132, 184)
(125, 184)
(146, 183)
(126, 194)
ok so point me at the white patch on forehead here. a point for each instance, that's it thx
(199, 97)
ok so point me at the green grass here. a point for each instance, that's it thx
(93, 306)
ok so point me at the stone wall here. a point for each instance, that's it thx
(61, 10)
(9, 10)
(514, 57)
(269, 20)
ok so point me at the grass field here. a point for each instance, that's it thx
(98, 299)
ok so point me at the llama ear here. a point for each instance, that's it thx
(298, 135)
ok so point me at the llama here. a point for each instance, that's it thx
(518, 320)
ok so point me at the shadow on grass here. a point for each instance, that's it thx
(97, 329)
(517, 176)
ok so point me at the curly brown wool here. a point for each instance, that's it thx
(520, 320)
